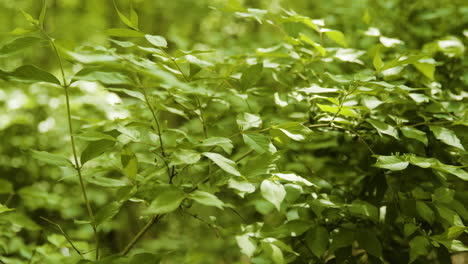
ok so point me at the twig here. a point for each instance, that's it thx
(64, 234)
(156, 120)
(139, 235)
(215, 228)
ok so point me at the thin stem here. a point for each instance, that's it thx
(215, 228)
(358, 135)
(429, 124)
(158, 127)
(64, 234)
(340, 106)
(139, 235)
(72, 139)
(80, 176)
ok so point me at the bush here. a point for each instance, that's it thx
(306, 146)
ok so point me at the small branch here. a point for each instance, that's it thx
(358, 135)
(237, 213)
(158, 127)
(340, 106)
(64, 234)
(215, 228)
(429, 124)
(244, 155)
(139, 235)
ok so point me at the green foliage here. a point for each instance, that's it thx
(234, 132)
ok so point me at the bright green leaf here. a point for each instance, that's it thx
(224, 163)
(447, 136)
(393, 163)
(273, 192)
(50, 158)
(206, 199)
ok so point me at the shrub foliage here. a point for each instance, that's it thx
(316, 149)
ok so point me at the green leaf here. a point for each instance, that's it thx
(377, 60)
(32, 74)
(17, 45)
(425, 211)
(157, 41)
(369, 242)
(293, 130)
(454, 245)
(337, 36)
(393, 163)
(273, 192)
(383, 128)
(94, 136)
(29, 18)
(317, 240)
(428, 69)
(134, 17)
(124, 32)
(95, 149)
(129, 163)
(206, 199)
(246, 244)
(309, 41)
(43, 13)
(363, 209)
(401, 61)
(241, 187)
(450, 216)
(4, 208)
(291, 177)
(224, 143)
(50, 158)
(259, 142)
(247, 121)
(409, 229)
(411, 132)
(103, 75)
(274, 252)
(447, 136)
(131, 93)
(6, 187)
(346, 111)
(419, 246)
(251, 75)
(184, 156)
(124, 19)
(168, 198)
(107, 212)
(225, 164)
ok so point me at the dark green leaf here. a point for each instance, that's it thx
(17, 45)
(251, 75)
(206, 199)
(32, 74)
(317, 240)
(168, 198)
(107, 212)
